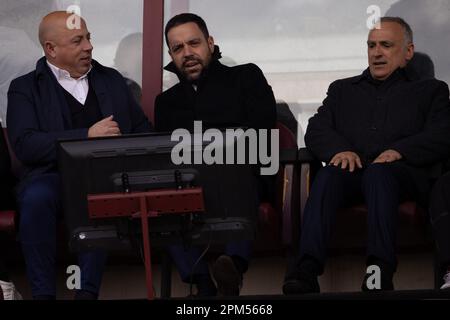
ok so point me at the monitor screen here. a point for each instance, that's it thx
(133, 163)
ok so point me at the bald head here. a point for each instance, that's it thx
(54, 25)
(66, 42)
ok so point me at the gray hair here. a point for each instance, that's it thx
(407, 31)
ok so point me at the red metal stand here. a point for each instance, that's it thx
(146, 205)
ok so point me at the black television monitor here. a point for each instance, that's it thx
(97, 166)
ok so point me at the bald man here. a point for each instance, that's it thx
(69, 95)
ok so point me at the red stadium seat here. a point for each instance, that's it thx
(7, 217)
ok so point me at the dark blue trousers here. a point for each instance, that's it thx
(185, 258)
(382, 186)
(40, 206)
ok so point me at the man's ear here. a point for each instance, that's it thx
(211, 43)
(49, 48)
(409, 51)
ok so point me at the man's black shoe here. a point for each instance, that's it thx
(303, 278)
(227, 276)
(301, 283)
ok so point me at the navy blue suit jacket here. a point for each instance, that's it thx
(38, 114)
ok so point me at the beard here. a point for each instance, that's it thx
(194, 68)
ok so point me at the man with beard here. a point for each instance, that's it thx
(69, 95)
(220, 97)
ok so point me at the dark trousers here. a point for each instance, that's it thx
(440, 217)
(185, 258)
(381, 186)
(40, 206)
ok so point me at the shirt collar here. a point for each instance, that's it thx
(61, 74)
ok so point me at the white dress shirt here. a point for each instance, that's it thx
(78, 88)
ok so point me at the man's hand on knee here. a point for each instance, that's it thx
(388, 156)
(346, 159)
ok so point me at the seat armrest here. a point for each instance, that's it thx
(305, 156)
(288, 211)
(308, 166)
(288, 156)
